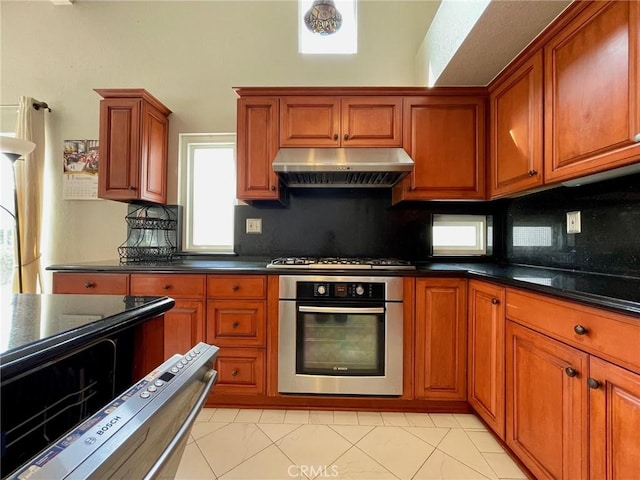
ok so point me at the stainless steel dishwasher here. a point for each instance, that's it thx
(141, 434)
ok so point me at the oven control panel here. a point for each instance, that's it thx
(340, 290)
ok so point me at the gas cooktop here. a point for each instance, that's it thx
(341, 263)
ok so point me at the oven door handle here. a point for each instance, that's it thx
(305, 309)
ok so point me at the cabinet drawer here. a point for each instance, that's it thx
(237, 286)
(170, 285)
(240, 370)
(236, 323)
(91, 283)
(605, 334)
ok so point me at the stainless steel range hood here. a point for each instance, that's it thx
(342, 167)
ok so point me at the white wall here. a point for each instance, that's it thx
(187, 54)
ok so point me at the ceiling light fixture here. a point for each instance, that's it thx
(323, 18)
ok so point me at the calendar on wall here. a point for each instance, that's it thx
(80, 170)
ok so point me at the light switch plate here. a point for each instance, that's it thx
(573, 222)
(254, 225)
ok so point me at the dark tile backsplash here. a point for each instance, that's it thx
(344, 222)
(529, 230)
(536, 232)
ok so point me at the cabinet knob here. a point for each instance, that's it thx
(235, 324)
(580, 330)
(234, 373)
(495, 301)
(637, 138)
(131, 187)
(89, 285)
(346, 136)
(335, 136)
(235, 287)
(532, 173)
(273, 188)
(571, 372)
(593, 383)
(166, 286)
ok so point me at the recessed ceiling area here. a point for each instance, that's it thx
(502, 31)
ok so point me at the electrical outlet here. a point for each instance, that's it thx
(254, 225)
(573, 222)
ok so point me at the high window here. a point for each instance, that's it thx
(344, 41)
(207, 191)
(459, 235)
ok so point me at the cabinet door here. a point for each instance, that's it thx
(240, 371)
(445, 136)
(592, 92)
(547, 409)
(486, 353)
(614, 416)
(257, 147)
(240, 323)
(153, 163)
(119, 148)
(516, 130)
(441, 310)
(183, 327)
(307, 121)
(371, 122)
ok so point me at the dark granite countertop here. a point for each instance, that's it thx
(620, 294)
(37, 328)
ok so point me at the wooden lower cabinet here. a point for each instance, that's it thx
(183, 326)
(547, 404)
(240, 371)
(237, 323)
(485, 351)
(440, 345)
(614, 421)
(91, 283)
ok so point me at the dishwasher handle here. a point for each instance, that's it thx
(157, 469)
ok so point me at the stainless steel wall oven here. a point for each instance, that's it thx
(340, 335)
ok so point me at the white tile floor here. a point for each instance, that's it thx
(248, 444)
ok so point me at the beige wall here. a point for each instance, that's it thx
(189, 55)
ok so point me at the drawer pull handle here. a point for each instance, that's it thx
(495, 301)
(235, 324)
(571, 372)
(235, 287)
(166, 286)
(532, 173)
(89, 285)
(580, 330)
(593, 383)
(234, 373)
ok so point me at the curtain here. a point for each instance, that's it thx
(29, 184)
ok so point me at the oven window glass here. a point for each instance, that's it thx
(340, 344)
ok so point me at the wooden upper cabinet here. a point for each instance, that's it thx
(592, 92)
(445, 136)
(134, 135)
(308, 121)
(440, 338)
(331, 121)
(516, 121)
(614, 415)
(257, 144)
(486, 377)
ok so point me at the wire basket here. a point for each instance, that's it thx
(152, 231)
(146, 254)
